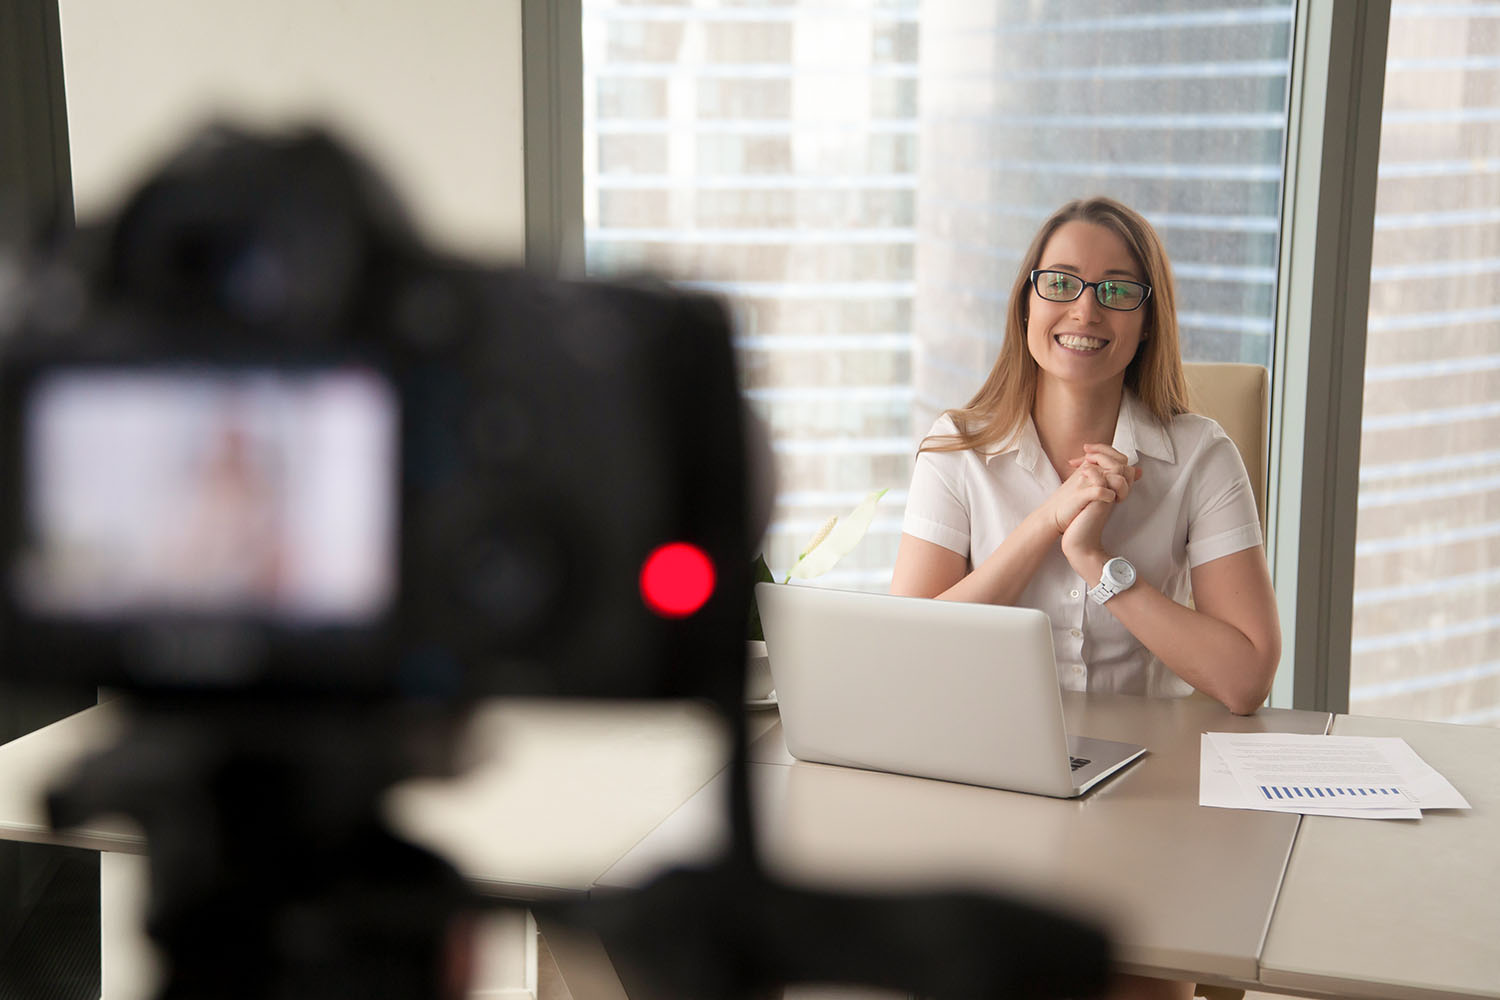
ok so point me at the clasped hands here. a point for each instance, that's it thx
(1081, 506)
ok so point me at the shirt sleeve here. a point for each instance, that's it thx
(1224, 518)
(937, 509)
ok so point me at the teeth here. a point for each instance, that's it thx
(1080, 343)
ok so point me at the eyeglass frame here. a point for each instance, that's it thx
(1086, 285)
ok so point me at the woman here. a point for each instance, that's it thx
(1075, 481)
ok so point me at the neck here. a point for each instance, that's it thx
(1069, 416)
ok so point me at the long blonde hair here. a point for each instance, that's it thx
(1007, 396)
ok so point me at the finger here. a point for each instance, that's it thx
(1106, 450)
(1107, 469)
(1121, 486)
(1110, 469)
(1106, 460)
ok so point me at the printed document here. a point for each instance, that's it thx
(1217, 787)
(1373, 777)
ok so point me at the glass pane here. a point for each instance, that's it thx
(860, 178)
(1426, 629)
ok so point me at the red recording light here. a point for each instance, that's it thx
(677, 579)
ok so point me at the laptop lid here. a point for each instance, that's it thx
(938, 689)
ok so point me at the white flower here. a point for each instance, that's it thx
(835, 539)
(818, 536)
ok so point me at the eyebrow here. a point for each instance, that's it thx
(1074, 269)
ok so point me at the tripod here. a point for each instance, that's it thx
(272, 876)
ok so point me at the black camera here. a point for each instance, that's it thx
(306, 489)
(256, 439)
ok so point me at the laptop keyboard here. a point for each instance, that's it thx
(1078, 762)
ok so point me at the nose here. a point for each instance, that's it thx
(1086, 307)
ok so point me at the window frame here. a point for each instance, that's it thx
(552, 129)
(36, 168)
(1337, 92)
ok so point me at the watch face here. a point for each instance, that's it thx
(1121, 573)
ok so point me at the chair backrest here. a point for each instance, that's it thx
(1238, 396)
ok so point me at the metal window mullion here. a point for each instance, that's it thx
(1328, 210)
(36, 187)
(552, 102)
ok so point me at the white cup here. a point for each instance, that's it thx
(758, 682)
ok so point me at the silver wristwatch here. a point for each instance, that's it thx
(1118, 575)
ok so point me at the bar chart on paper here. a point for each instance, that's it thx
(1342, 795)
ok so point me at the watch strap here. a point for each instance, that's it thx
(1101, 592)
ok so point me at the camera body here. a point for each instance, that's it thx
(306, 490)
(257, 440)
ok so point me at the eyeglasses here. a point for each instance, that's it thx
(1112, 293)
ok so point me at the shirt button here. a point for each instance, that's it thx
(1075, 633)
(1077, 670)
(1072, 593)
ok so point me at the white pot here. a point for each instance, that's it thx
(758, 682)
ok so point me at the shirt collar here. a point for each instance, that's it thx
(1024, 444)
(1137, 433)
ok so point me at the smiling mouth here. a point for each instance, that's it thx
(1074, 342)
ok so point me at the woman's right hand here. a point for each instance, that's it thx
(1102, 474)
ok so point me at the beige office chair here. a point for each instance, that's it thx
(1238, 396)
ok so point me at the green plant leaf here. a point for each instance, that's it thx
(844, 536)
(759, 573)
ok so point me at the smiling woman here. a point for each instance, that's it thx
(1075, 481)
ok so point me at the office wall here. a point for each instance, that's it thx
(432, 91)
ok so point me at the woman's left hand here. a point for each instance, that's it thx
(1115, 466)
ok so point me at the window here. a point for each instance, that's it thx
(1426, 618)
(860, 179)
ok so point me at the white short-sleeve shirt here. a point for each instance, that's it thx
(1192, 504)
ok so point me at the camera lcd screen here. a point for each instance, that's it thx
(236, 492)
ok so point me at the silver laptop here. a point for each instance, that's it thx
(937, 689)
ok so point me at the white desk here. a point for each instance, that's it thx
(1398, 909)
(562, 791)
(1186, 891)
(557, 793)
(1391, 910)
